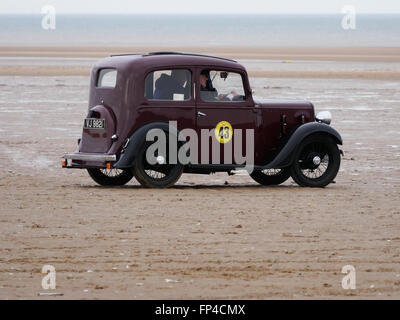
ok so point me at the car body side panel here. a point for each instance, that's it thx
(278, 120)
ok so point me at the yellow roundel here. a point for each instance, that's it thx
(223, 132)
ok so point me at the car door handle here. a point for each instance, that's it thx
(201, 114)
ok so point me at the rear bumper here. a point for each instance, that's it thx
(90, 157)
(87, 160)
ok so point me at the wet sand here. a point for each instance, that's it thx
(318, 74)
(210, 236)
(284, 55)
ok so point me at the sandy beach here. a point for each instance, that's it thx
(210, 237)
(284, 55)
(323, 53)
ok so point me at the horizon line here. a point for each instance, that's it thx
(201, 14)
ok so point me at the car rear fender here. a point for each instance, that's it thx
(135, 142)
(285, 156)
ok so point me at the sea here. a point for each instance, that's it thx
(202, 30)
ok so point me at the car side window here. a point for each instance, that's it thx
(217, 86)
(170, 85)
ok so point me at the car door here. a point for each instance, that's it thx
(164, 102)
(225, 104)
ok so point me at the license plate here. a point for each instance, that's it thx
(92, 123)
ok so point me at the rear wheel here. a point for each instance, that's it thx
(110, 177)
(269, 177)
(316, 162)
(159, 175)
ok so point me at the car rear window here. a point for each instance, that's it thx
(107, 78)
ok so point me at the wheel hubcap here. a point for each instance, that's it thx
(314, 161)
(160, 160)
(317, 160)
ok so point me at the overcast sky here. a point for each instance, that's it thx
(200, 6)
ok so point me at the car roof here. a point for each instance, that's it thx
(166, 59)
(175, 53)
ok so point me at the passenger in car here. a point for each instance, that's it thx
(177, 83)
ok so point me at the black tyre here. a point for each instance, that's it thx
(160, 175)
(316, 161)
(110, 177)
(270, 177)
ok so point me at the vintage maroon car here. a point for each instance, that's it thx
(172, 92)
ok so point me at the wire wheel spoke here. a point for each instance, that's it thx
(112, 173)
(155, 174)
(311, 169)
(271, 172)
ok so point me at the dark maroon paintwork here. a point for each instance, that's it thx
(125, 107)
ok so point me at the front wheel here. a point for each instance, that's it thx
(270, 177)
(316, 162)
(110, 177)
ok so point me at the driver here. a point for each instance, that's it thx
(207, 91)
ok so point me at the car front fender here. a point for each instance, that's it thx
(285, 156)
